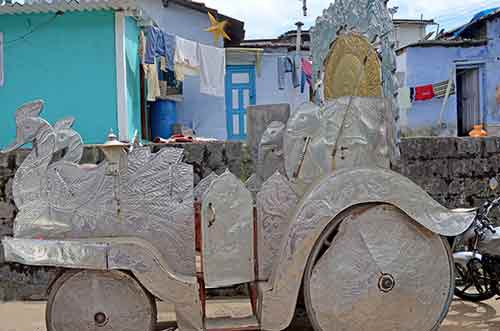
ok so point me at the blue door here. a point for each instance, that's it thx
(240, 93)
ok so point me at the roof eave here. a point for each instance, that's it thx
(66, 6)
(444, 43)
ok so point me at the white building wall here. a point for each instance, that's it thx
(407, 34)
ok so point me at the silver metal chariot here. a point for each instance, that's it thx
(329, 220)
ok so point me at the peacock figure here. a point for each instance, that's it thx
(150, 197)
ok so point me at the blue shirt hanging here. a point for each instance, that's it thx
(155, 44)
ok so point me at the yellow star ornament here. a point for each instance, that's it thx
(217, 28)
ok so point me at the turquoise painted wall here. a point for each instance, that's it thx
(133, 76)
(69, 63)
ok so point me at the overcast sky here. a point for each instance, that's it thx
(270, 18)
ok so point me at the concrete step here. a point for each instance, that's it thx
(233, 324)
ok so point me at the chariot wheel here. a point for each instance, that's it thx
(378, 270)
(94, 300)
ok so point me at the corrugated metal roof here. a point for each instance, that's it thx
(444, 43)
(52, 6)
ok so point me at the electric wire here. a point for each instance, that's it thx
(36, 28)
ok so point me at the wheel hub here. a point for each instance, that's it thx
(386, 283)
(100, 319)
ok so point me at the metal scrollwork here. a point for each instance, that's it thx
(151, 197)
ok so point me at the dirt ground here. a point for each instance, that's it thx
(462, 316)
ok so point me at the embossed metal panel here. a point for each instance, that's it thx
(383, 272)
(275, 203)
(151, 196)
(228, 248)
(271, 154)
(347, 132)
(69, 254)
(370, 19)
(352, 69)
(203, 186)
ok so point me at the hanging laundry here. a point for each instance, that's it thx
(423, 93)
(212, 70)
(153, 82)
(281, 71)
(404, 98)
(295, 73)
(307, 70)
(155, 45)
(441, 88)
(170, 46)
(186, 58)
(250, 56)
(303, 82)
(142, 46)
(258, 61)
(287, 65)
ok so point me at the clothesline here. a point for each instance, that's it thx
(180, 57)
(183, 57)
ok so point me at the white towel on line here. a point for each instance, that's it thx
(212, 70)
(186, 58)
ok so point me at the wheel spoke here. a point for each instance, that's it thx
(469, 285)
(478, 287)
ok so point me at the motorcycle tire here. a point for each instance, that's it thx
(488, 291)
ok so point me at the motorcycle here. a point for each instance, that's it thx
(477, 266)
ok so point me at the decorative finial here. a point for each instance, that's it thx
(111, 137)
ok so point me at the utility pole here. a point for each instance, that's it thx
(304, 7)
(299, 36)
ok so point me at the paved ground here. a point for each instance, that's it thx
(462, 316)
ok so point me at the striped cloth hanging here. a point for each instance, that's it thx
(440, 89)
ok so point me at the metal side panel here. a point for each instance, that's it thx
(227, 223)
(203, 186)
(275, 202)
(67, 254)
(135, 255)
(146, 262)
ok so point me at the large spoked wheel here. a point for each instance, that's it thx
(94, 300)
(473, 283)
(378, 270)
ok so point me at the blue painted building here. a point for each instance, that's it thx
(81, 59)
(470, 58)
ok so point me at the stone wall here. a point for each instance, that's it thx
(454, 171)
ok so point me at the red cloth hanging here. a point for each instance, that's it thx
(423, 93)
